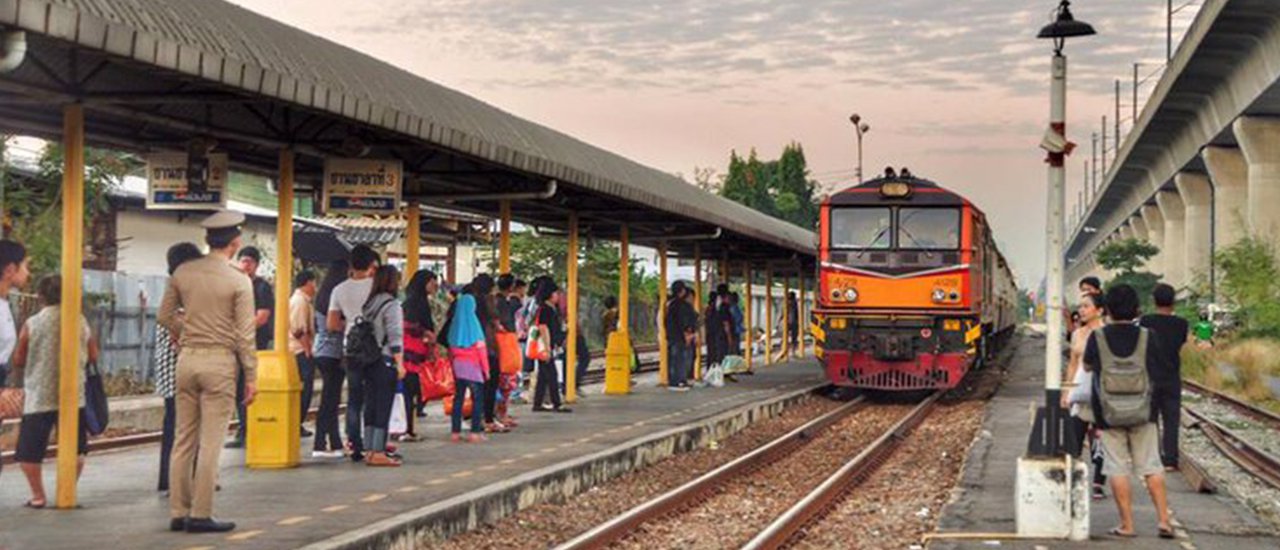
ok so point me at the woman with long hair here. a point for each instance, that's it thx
(327, 353)
(548, 316)
(469, 355)
(383, 376)
(419, 343)
(1091, 311)
(166, 356)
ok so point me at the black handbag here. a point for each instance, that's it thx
(96, 413)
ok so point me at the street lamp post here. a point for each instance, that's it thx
(1050, 503)
(862, 128)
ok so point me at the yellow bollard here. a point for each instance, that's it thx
(617, 363)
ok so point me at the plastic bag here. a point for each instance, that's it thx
(509, 358)
(399, 423)
(437, 380)
(713, 376)
(466, 407)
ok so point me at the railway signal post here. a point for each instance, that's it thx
(1051, 492)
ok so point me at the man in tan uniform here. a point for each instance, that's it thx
(209, 307)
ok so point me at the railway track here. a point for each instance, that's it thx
(777, 454)
(1262, 465)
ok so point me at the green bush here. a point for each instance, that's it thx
(1248, 281)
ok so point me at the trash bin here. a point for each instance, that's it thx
(275, 417)
(617, 363)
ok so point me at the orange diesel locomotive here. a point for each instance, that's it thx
(912, 290)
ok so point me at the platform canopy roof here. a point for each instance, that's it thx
(154, 74)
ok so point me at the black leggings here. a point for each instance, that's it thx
(1168, 404)
(491, 388)
(379, 398)
(328, 438)
(548, 385)
(412, 392)
(166, 442)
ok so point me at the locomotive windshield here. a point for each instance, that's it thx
(862, 228)
(929, 228)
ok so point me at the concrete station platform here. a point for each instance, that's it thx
(984, 498)
(442, 487)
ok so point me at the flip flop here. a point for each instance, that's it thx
(1167, 533)
(1116, 532)
(32, 505)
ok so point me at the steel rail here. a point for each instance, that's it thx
(1259, 463)
(1248, 409)
(829, 492)
(619, 527)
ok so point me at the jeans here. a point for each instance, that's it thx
(1168, 404)
(680, 362)
(460, 388)
(356, 379)
(307, 374)
(548, 385)
(166, 442)
(328, 438)
(380, 397)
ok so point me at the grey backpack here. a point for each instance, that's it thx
(1124, 388)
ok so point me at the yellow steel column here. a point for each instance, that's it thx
(69, 326)
(768, 315)
(451, 264)
(617, 361)
(504, 237)
(571, 346)
(750, 336)
(662, 314)
(698, 308)
(786, 322)
(413, 242)
(801, 320)
(272, 435)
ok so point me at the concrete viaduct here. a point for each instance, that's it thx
(1201, 168)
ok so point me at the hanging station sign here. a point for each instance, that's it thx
(359, 185)
(179, 181)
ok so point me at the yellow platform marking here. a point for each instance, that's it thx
(407, 489)
(374, 497)
(245, 535)
(548, 450)
(200, 548)
(529, 455)
(437, 481)
(584, 440)
(294, 520)
(489, 468)
(462, 474)
(508, 461)
(335, 508)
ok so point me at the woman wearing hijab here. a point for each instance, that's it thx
(419, 341)
(470, 359)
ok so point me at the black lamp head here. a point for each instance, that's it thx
(1066, 25)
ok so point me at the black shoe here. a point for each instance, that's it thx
(209, 525)
(357, 456)
(178, 524)
(562, 410)
(234, 444)
(306, 432)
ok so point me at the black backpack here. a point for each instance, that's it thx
(363, 347)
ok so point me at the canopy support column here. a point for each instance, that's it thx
(663, 364)
(69, 326)
(413, 242)
(617, 363)
(697, 307)
(749, 338)
(768, 315)
(504, 236)
(801, 302)
(571, 269)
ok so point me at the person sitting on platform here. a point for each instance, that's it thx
(35, 360)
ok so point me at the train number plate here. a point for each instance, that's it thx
(838, 324)
(951, 324)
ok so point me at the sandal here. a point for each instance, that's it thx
(1116, 532)
(1167, 533)
(32, 505)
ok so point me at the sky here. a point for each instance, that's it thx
(956, 90)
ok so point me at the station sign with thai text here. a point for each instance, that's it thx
(175, 181)
(367, 186)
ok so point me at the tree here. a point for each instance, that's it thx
(780, 188)
(1126, 257)
(1249, 281)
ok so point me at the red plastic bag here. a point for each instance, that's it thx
(437, 381)
(509, 358)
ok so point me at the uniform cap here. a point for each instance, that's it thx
(223, 219)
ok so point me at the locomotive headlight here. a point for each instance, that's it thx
(851, 294)
(938, 295)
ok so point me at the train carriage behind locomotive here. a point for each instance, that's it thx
(912, 290)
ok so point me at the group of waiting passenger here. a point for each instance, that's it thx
(1125, 388)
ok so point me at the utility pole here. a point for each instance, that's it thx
(1093, 163)
(1135, 93)
(1104, 147)
(1117, 118)
(1168, 32)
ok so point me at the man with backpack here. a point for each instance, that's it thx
(346, 304)
(1126, 361)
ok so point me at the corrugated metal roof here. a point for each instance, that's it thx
(221, 42)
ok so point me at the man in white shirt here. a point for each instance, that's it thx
(345, 305)
(14, 272)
